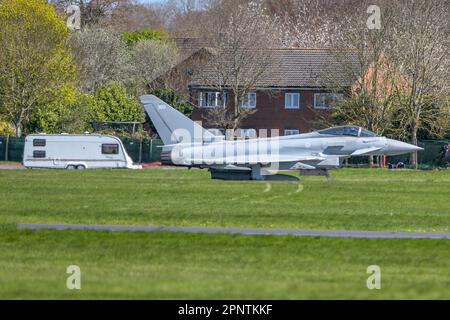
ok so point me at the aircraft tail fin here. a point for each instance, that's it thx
(173, 127)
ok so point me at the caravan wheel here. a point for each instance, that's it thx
(81, 167)
(71, 167)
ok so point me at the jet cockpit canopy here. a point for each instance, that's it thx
(352, 131)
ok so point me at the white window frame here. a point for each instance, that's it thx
(247, 98)
(247, 133)
(319, 96)
(291, 99)
(203, 99)
(217, 131)
(290, 132)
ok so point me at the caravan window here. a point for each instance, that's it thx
(38, 154)
(110, 148)
(39, 143)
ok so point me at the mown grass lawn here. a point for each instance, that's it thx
(127, 265)
(358, 199)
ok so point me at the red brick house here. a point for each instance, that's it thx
(290, 100)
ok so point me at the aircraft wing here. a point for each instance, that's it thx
(256, 159)
(364, 151)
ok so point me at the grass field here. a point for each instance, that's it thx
(357, 199)
(179, 266)
(200, 266)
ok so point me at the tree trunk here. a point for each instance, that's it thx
(236, 112)
(370, 161)
(18, 129)
(413, 157)
(236, 106)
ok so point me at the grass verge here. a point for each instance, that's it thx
(356, 199)
(123, 265)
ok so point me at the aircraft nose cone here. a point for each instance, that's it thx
(395, 147)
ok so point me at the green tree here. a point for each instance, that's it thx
(47, 118)
(5, 128)
(113, 103)
(77, 117)
(75, 113)
(34, 62)
(131, 38)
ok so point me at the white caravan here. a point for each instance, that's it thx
(67, 151)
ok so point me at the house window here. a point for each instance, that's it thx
(249, 100)
(327, 100)
(212, 99)
(39, 154)
(217, 131)
(246, 133)
(290, 132)
(39, 142)
(292, 100)
(110, 148)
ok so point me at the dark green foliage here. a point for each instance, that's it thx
(113, 103)
(172, 98)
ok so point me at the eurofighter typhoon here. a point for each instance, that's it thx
(188, 144)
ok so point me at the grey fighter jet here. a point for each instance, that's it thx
(188, 144)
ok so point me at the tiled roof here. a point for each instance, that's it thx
(290, 68)
(188, 46)
(299, 68)
(311, 68)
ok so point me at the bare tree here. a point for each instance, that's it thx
(188, 18)
(241, 58)
(370, 74)
(134, 16)
(187, 6)
(421, 52)
(151, 60)
(365, 72)
(400, 70)
(101, 57)
(93, 12)
(310, 23)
